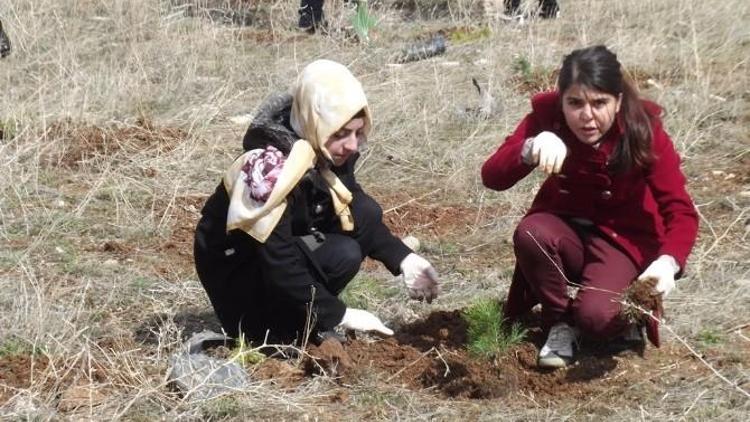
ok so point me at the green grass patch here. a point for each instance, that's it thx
(245, 354)
(222, 408)
(13, 346)
(488, 336)
(710, 337)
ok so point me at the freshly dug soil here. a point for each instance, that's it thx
(431, 356)
(642, 294)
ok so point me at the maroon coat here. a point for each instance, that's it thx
(646, 211)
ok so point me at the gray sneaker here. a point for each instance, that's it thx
(557, 351)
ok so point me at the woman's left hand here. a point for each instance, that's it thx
(663, 270)
(420, 278)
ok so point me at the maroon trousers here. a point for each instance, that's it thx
(545, 245)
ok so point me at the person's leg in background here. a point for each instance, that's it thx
(548, 9)
(512, 7)
(311, 15)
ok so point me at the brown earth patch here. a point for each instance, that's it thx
(177, 249)
(727, 178)
(283, 374)
(405, 214)
(76, 144)
(17, 372)
(532, 81)
(646, 78)
(431, 355)
(173, 253)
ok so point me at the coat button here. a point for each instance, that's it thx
(606, 194)
(318, 209)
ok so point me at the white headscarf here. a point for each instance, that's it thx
(326, 97)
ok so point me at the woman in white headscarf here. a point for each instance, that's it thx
(289, 226)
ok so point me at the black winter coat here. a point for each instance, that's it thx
(255, 287)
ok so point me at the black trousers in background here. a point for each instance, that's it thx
(548, 8)
(310, 13)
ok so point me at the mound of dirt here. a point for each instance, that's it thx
(431, 355)
(76, 143)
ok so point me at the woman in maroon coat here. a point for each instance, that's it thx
(613, 208)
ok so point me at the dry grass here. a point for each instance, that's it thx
(100, 321)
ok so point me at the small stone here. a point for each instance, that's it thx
(443, 333)
(110, 262)
(60, 203)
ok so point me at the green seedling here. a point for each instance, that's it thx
(363, 22)
(245, 354)
(533, 79)
(488, 336)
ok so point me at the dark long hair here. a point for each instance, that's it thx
(597, 68)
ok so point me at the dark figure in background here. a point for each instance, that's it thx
(547, 8)
(311, 15)
(4, 42)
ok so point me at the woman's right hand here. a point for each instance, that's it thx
(546, 150)
(360, 320)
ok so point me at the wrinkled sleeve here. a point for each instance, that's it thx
(374, 237)
(667, 184)
(288, 275)
(505, 167)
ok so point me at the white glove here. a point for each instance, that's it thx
(546, 150)
(360, 320)
(663, 269)
(419, 277)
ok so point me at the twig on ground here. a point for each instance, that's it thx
(447, 368)
(410, 365)
(737, 327)
(411, 200)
